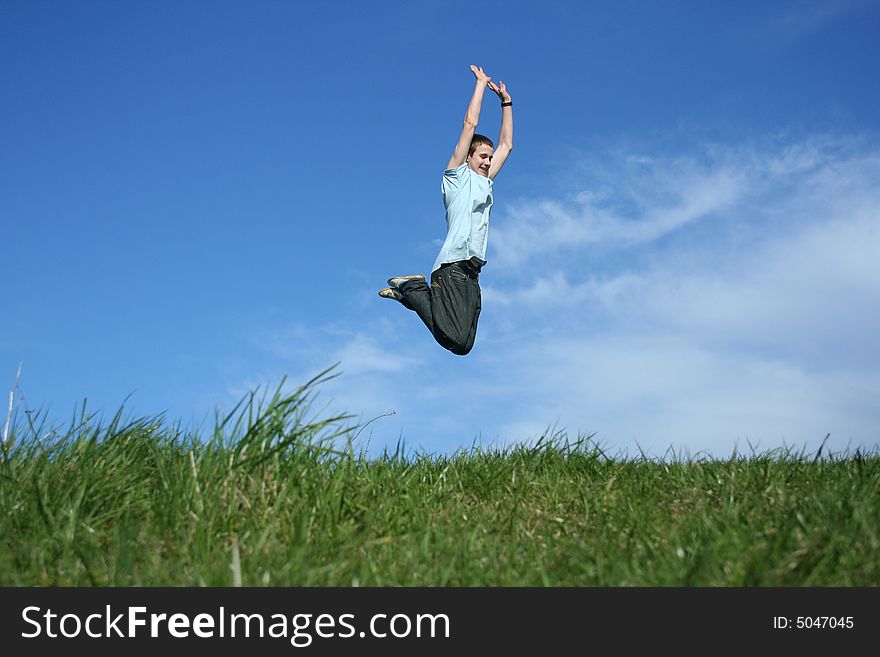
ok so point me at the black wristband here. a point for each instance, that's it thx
(507, 104)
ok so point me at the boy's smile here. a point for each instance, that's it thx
(481, 159)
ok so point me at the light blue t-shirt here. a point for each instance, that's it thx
(468, 199)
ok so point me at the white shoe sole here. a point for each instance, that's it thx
(390, 293)
(397, 281)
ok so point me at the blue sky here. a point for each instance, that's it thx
(200, 198)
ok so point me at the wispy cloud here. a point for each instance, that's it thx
(806, 18)
(629, 200)
(667, 392)
(646, 201)
(762, 328)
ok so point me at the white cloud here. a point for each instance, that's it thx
(648, 200)
(664, 392)
(763, 329)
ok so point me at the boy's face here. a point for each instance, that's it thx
(480, 160)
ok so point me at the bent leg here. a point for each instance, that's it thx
(456, 302)
(450, 308)
(417, 297)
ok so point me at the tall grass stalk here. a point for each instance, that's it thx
(277, 496)
(5, 444)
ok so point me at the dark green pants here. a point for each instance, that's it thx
(450, 307)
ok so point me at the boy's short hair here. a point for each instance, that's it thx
(477, 140)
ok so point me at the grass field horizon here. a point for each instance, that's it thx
(274, 495)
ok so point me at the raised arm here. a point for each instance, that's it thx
(471, 118)
(505, 139)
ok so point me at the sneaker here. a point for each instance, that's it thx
(390, 293)
(397, 281)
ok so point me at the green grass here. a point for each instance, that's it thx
(275, 496)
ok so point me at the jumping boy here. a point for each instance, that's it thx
(450, 307)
